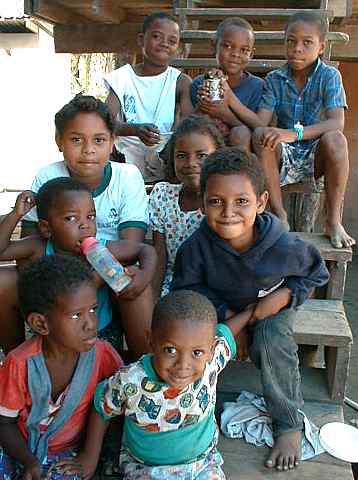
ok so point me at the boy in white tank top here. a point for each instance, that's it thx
(147, 98)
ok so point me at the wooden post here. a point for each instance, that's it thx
(337, 361)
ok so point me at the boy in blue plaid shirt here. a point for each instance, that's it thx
(308, 100)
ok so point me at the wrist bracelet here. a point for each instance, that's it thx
(298, 129)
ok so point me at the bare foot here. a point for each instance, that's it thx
(110, 469)
(339, 237)
(286, 453)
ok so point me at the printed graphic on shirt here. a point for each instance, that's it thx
(157, 407)
(149, 407)
(173, 416)
(129, 108)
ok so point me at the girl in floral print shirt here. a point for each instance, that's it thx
(174, 208)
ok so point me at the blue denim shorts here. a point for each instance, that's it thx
(297, 163)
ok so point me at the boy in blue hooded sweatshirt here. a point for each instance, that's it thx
(241, 256)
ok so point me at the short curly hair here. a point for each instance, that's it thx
(43, 281)
(191, 124)
(237, 22)
(233, 161)
(49, 193)
(314, 18)
(150, 19)
(83, 104)
(185, 306)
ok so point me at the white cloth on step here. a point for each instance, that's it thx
(248, 418)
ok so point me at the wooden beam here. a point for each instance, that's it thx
(147, 4)
(339, 7)
(102, 11)
(31, 26)
(256, 65)
(51, 11)
(260, 36)
(18, 40)
(95, 38)
(247, 12)
(354, 7)
(350, 51)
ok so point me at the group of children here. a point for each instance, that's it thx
(227, 275)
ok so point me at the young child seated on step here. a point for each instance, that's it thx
(149, 96)
(47, 384)
(308, 99)
(240, 257)
(168, 397)
(236, 112)
(67, 216)
(174, 209)
(85, 136)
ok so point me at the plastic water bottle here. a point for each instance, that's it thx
(2, 357)
(105, 264)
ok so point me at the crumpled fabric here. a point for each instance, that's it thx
(248, 418)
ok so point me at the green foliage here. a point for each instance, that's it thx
(88, 70)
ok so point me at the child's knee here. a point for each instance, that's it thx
(257, 135)
(241, 136)
(8, 285)
(333, 142)
(275, 333)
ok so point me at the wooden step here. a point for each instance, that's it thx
(247, 12)
(318, 322)
(246, 462)
(255, 65)
(322, 322)
(336, 261)
(260, 36)
(238, 376)
(327, 250)
(340, 8)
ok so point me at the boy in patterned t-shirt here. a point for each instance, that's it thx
(168, 397)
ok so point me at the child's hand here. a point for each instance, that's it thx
(216, 110)
(81, 465)
(148, 133)
(222, 126)
(216, 73)
(271, 304)
(225, 88)
(272, 137)
(242, 345)
(139, 281)
(24, 202)
(32, 471)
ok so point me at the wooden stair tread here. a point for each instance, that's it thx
(238, 376)
(327, 250)
(261, 35)
(248, 12)
(322, 322)
(246, 462)
(340, 8)
(255, 65)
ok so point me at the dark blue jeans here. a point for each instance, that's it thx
(274, 352)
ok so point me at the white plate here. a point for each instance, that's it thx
(340, 440)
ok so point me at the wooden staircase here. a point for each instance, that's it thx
(195, 16)
(198, 20)
(321, 326)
